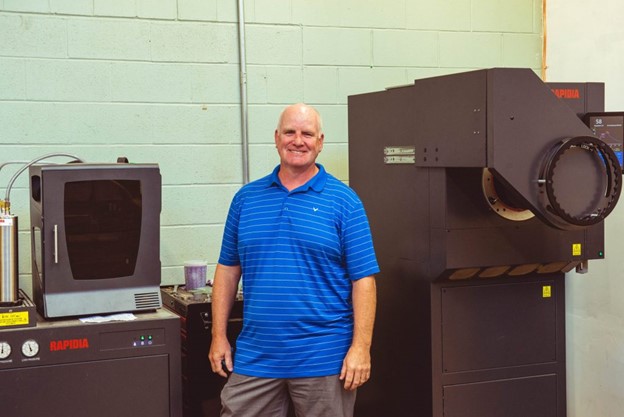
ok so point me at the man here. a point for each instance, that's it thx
(301, 241)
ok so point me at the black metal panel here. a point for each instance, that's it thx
(498, 325)
(401, 375)
(374, 120)
(475, 236)
(580, 97)
(519, 397)
(594, 97)
(495, 330)
(450, 120)
(125, 387)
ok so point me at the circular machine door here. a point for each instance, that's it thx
(580, 182)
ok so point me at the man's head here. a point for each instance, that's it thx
(299, 137)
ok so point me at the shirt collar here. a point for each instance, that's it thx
(316, 183)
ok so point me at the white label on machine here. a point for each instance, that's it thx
(399, 155)
(6, 221)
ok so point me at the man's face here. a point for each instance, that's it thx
(298, 138)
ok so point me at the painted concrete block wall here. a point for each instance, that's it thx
(158, 81)
(594, 310)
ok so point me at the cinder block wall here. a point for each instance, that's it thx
(158, 81)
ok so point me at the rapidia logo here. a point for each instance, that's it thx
(567, 93)
(69, 344)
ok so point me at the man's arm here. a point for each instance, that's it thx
(356, 367)
(224, 288)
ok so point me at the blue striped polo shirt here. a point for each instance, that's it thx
(299, 252)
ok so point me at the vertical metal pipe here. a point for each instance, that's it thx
(544, 40)
(243, 89)
(9, 276)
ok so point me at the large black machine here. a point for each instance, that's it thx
(65, 367)
(482, 189)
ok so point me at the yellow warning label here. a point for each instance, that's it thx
(576, 249)
(17, 318)
(546, 291)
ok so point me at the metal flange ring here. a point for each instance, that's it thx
(560, 190)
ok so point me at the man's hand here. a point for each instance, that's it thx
(220, 356)
(356, 368)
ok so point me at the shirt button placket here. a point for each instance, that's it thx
(284, 212)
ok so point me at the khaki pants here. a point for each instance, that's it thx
(245, 396)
